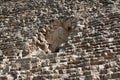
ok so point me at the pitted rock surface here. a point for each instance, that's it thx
(90, 52)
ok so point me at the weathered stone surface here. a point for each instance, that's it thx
(59, 39)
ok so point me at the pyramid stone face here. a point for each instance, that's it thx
(91, 49)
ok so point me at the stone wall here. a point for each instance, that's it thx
(91, 50)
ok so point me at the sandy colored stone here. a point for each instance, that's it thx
(59, 34)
